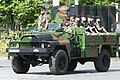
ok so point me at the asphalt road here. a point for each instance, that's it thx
(82, 72)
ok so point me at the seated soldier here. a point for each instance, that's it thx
(70, 24)
(43, 19)
(83, 22)
(89, 25)
(92, 25)
(99, 27)
(78, 21)
(72, 20)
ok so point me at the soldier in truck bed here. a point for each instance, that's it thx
(99, 26)
(94, 26)
(90, 26)
(72, 23)
(87, 22)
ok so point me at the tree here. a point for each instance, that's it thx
(27, 12)
(5, 15)
(19, 12)
(91, 2)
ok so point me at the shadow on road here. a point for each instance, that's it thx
(114, 70)
(75, 72)
(4, 66)
(40, 73)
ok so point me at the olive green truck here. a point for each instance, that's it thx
(62, 51)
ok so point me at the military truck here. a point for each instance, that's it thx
(62, 51)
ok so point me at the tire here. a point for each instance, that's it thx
(19, 66)
(72, 65)
(102, 63)
(58, 62)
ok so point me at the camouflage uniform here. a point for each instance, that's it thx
(58, 19)
(61, 15)
(43, 20)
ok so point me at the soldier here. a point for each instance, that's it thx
(72, 23)
(43, 19)
(91, 27)
(99, 27)
(78, 21)
(72, 20)
(83, 21)
(61, 15)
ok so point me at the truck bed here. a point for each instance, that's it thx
(101, 39)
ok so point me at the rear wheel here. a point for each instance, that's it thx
(58, 62)
(72, 65)
(102, 63)
(19, 66)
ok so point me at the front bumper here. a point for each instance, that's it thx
(28, 51)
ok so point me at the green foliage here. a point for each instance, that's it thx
(27, 12)
(92, 2)
(24, 12)
(4, 13)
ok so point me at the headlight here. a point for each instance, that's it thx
(119, 47)
(45, 45)
(42, 45)
(49, 45)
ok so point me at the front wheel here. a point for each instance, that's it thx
(102, 63)
(58, 62)
(19, 66)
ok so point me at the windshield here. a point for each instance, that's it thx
(53, 26)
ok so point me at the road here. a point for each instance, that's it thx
(82, 72)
